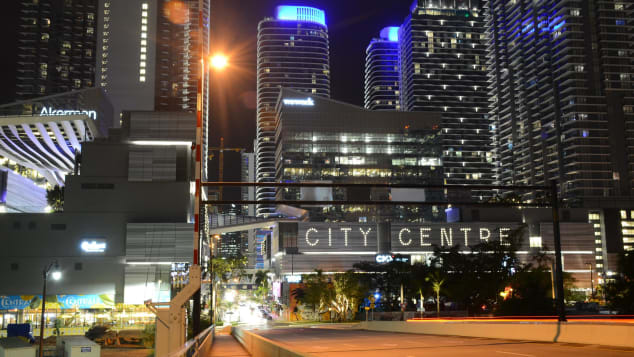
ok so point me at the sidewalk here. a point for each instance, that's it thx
(225, 345)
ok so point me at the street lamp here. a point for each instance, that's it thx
(56, 274)
(591, 281)
(219, 61)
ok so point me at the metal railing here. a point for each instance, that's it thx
(198, 346)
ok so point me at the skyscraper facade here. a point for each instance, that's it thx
(293, 52)
(381, 72)
(55, 47)
(562, 95)
(149, 56)
(443, 69)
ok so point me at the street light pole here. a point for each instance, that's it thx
(559, 274)
(591, 282)
(56, 276)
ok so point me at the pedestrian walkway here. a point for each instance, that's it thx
(227, 346)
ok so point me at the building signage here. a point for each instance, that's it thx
(50, 111)
(21, 302)
(423, 238)
(337, 237)
(405, 238)
(308, 102)
(93, 246)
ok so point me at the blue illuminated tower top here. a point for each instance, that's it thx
(390, 33)
(301, 13)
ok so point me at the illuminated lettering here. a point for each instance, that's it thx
(444, 237)
(308, 102)
(423, 236)
(466, 235)
(49, 111)
(308, 232)
(504, 235)
(93, 246)
(400, 237)
(365, 236)
(485, 237)
(330, 237)
(345, 235)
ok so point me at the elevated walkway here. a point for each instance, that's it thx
(226, 346)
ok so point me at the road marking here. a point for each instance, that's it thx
(390, 344)
(515, 354)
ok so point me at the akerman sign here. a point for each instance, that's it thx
(343, 237)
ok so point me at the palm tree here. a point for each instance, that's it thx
(437, 281)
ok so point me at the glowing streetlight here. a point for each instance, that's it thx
(219, 61)
(56, 274)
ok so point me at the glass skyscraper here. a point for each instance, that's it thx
(381, 72)
(562, 95)
(443, 69)
(293, 52)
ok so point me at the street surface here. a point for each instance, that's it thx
(349, 342)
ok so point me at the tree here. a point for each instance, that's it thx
(437, 282)
(315, 291)
(222, 271)
(475, 280)
(55, 198)
(620, 291)
(346, 295)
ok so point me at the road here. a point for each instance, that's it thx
(349, 342)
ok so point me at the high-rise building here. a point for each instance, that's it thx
(443, 69)
(293, 52)
(562, 95)
(55, 47)
(382, 73)
(148, 55)
(331, 141)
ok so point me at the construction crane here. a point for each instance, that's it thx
(221, 161)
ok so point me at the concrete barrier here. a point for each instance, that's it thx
(594, 333)
(259, 346)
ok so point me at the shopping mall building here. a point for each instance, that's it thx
(125, 233)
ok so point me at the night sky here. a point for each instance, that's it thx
(351, 25)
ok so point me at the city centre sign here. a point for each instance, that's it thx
(308, 102)
(50, 111)
(360, 237)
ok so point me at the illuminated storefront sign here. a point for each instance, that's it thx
(93, 246)
(308, 102)
(50, 111)
(102, 301)
(360, 237)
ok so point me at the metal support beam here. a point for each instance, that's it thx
(377, 203)
(376, 185)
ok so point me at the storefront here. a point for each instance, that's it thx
(71, 314)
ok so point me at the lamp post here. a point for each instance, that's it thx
(53, 270)
(591, 282)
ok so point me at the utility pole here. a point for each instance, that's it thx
(559, 274)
